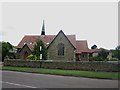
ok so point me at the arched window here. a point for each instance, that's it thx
(61, 49)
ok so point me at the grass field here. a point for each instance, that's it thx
(105, 75)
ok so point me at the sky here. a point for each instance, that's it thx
(96, 22)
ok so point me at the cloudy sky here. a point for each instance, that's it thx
(96, 22)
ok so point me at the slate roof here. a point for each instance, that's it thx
(30, 40)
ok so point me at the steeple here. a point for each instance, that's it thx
(43, 29)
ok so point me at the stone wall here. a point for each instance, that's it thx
(85, 66)
(69, 51)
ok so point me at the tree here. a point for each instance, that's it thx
(118, 47)
(94, 47)
(6, 47)
(103, 54)
(118, 52)
(37, 52)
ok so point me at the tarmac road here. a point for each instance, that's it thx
(12, 79)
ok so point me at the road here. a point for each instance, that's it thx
(11, 79)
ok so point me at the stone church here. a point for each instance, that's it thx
(59, 47)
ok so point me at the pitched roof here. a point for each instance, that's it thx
(82, 46)
(31, 40)
(70, 38)
(26, 46)
(27, 39)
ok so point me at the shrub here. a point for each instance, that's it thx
(96, 58)
(103, 54)
(31, 57)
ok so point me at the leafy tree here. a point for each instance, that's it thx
(114, 53)
(103, 54)
(118, 47)
(118, 52)
(94, 47)
(6, 47)
(37, 52)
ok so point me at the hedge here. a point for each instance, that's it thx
(85, 66)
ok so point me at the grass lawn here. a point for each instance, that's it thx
(106, 75)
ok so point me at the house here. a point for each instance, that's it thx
(96, 52)
(59, 47)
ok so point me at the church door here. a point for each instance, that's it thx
(25, 55)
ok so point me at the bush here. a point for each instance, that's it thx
(103, 54)
(31, 57)
(96, 58)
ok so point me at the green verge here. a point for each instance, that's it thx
(104, 75)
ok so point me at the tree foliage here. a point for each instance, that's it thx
(6, 47)
(37, 52)
(117, 53)
(118, 47)
(103, 54)
(31, 57)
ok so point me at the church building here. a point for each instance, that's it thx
(59, 46)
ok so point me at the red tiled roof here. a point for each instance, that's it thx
(72, 39)
(27, 39)
(46, 39)
(82, 46)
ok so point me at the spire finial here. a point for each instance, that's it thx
(43, 29)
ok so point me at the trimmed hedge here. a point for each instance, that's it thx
(85, 66)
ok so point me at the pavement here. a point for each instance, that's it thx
(12, 79)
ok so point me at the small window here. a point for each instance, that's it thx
(60, 49)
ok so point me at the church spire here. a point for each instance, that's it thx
(43, 29)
